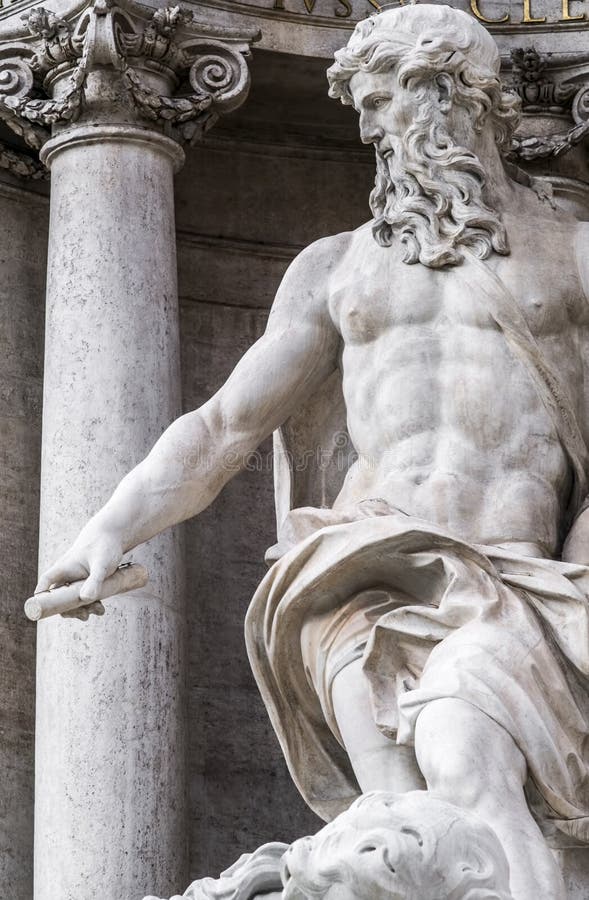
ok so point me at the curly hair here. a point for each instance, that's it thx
(410, 845)
(422, 41)
(431, 194)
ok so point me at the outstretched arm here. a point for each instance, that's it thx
(202, 450)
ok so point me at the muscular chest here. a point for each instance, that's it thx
(417, 302)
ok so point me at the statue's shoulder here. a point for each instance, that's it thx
(315, 267)
(327, 251)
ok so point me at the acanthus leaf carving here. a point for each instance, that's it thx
(219, 78)
(541, 94)
(213, 76)
(155, 42)
(548, 146)
(190, 115)
(56, 45)
(31, 117)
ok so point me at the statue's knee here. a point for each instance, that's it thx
(465, 757)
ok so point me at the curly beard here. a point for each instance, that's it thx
(429, 193)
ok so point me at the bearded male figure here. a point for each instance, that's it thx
(424, 630)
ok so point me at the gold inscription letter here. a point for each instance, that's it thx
(310, 4)
(376, 4)
(566, 15)
(474, 5)
(528, 17)
(345, 12)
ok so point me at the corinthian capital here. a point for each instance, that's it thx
(165, 69)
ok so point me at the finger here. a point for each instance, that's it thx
(91, 588)
(60, 573)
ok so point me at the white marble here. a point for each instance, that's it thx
(254, 875)
(387, 846)
(384, 847)
(110, 723)
(430, 340)
(96, 94)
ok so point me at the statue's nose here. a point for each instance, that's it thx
(370, 132)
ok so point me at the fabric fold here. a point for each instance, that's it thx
(432, 617)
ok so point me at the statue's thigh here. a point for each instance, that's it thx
(379, 763)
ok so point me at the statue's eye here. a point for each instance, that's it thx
(379, 102)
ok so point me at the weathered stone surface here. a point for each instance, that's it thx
(97, 92)
(366, 330)
(110, 692)
(231, 258)
(24, 215)
(224, 299)
(240, 792)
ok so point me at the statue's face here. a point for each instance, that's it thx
(386, 847)
(386, 109)
(356, 857)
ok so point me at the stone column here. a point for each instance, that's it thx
(109, 812)
(110, 749)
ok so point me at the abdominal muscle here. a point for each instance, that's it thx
(512, 508)
(488, 471)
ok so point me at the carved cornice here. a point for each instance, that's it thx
(543, 94)
(166, 69)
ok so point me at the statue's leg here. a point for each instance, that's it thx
(378, 763)
(471, 761)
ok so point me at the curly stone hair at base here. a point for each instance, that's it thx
(399, 847)
(434, 197)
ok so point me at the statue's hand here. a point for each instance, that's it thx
(93, 556)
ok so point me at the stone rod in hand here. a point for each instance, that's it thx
(66, 597)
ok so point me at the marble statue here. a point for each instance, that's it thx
(384, 847)
(424, 623)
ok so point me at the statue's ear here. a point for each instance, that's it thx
(445, 90)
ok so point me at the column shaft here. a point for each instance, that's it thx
(110, 745)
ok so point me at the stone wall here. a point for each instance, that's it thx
(284, 171)
(23, 213)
